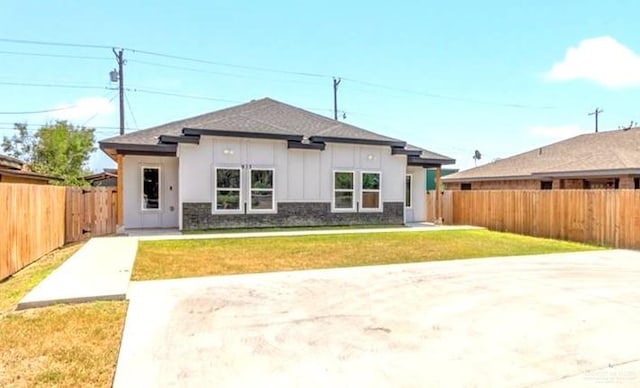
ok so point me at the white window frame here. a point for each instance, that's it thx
(410, 176)
(273, 190)
(333, 192)
(363, 190)
(142, 201)
(214, 206)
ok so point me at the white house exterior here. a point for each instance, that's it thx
(266, 163)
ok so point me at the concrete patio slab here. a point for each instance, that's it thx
(100, 270)
(550, 320)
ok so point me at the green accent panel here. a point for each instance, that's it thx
(431, 176)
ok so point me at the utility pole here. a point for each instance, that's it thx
(336, 82)
(119, 76)
(596, 113)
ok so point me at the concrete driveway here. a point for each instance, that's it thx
(552, 320)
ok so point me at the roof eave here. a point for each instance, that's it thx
(254, 135)
(586, 173)
(347, 140)
(112, 149)
(451, 179)
(428, 162)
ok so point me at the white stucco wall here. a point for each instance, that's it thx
(167, 215)
(300, 175)
(418, 211)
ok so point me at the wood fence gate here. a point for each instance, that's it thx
(90, 212)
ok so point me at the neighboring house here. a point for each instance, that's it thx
(266, 163)
(602, 160)
(107, 178)
(13, 170)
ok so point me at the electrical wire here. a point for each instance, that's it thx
(37, 111)
(53, 85)
(48, 43)
(135, 122)
(54, 55)
(272, 70)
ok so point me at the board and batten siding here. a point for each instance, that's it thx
(417, 212)
(167, 215)
(300, 175)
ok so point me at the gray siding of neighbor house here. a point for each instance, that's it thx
(197, 215)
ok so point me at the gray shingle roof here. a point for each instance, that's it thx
(258, 116)
(580, 155)
(262, 117)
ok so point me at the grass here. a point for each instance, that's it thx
(62, 345)
(187, 258)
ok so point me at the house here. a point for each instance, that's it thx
(601, 160)
(107, 178)
(14, 170)
(266, 163)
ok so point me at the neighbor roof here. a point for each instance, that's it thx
(602, 153)
(259, 118)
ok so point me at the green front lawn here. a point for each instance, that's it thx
(187, 258)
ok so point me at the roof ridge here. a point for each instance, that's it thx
(175, 122)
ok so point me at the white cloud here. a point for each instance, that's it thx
(84, 109)
(602, 60)
(557, 133)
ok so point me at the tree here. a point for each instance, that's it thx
(59, 149)
(20, 145)
(476, 156)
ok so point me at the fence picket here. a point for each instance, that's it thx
(605, 217)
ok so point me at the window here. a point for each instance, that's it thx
(603, 183)
(370, 193)
(150, 188)
(465, 186)
(636, 183)
(343, 190)
(546, 185)
(227, 194)
(407, 191)
(261, 196)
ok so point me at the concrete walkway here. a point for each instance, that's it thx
(100, 270)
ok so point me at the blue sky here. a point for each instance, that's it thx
(498, 76)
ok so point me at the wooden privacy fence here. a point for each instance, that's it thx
(36, 219)
(604, 217)
(90, 212)
(31, 224)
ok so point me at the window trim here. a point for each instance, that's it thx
(410, 176)
(273, 191)
(363, 190)
(333, 192)
(142, 201)
(214, 206)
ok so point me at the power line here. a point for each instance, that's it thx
(162, 93)
(135, 122)
(280, 71)
(37, 111)
(47, 43)
(256, 68)
(96, 114)
(445, 97)
(53, 55)
(52, 85)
